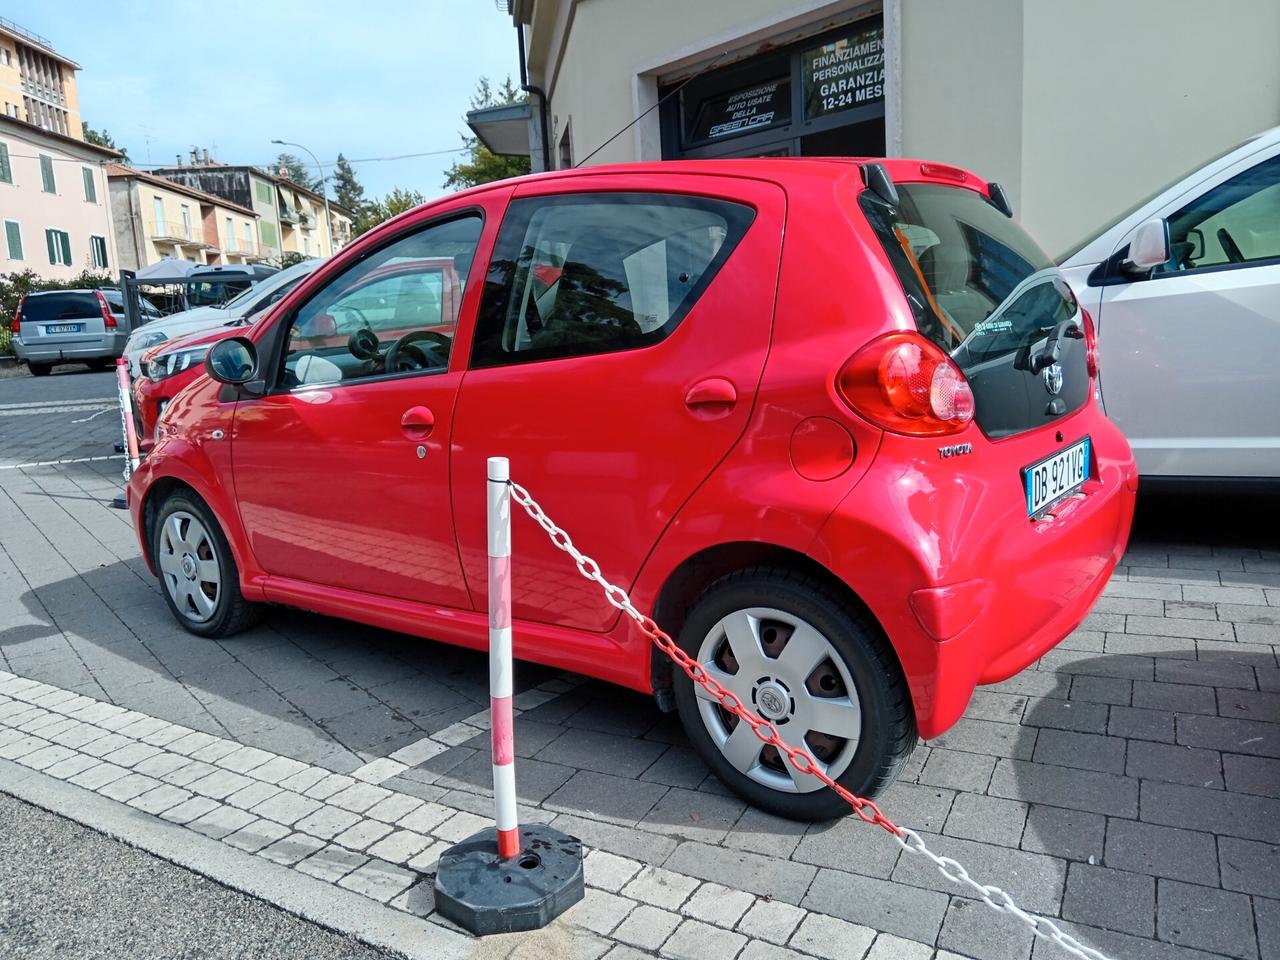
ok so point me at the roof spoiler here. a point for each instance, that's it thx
(878, 181)
(999, 199)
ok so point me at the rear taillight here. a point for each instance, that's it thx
(108, 318)
(1090, 343)
(904, 383)
(17, 315)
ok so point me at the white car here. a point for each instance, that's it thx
(241, 308)
(1185, 294)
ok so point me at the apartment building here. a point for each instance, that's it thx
(37, 83)
(156, 218)
(53, 203)
(290, 216)
(1079, 108)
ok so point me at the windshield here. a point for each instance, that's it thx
(982, 290)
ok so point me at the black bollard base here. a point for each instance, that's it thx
(484, 894)
(119, 502)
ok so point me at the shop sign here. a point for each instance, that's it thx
(844, 74)
(757, 107)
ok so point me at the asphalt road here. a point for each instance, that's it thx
(73, 381)
(66, 891)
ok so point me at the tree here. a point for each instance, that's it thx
(346, 188)
(297, 171)
(102, 138)
(481, 165)
(374, 212)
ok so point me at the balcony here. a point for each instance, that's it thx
(290, 216)
(176, 232)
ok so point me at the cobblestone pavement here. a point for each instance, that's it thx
(1128, 785)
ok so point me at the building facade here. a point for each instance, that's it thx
(38, 84)
(156, 219)
(54, 203)
(290, 217)
(1079, 109)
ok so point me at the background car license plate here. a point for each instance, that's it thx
(1055, 477)
(63, 328)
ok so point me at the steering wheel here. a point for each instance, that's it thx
(364, 345)
(408, 353)
(1229, 246)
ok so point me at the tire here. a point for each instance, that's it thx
(40, 369)
(856, 674)
(198, 574)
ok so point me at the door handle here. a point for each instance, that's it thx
(417, 422)
(714, 396)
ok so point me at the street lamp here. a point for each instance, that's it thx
(324, 192)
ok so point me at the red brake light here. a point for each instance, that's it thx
(17, 314)
(905, 383)
(1090, 343)
(108, 318)
(944, 171)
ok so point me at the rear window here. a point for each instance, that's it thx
(60, 306)
(982, 290)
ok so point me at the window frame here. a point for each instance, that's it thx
(8, 241)
(98, 242)
(90, 185)
(276, 339)
(6, 165)
(59, 247)
(48, 181)
(748, 212)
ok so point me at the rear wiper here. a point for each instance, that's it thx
(1049, 354)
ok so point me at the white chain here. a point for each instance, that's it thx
(909, 840)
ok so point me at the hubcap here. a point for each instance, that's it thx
(189, 566)
(790, 674)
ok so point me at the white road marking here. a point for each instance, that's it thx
(58, 463)
(92, 415)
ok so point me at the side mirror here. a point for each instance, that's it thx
(1149, 246)
(233, 361)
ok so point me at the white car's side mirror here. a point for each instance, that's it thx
(1149, 246)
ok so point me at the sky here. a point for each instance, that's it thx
(373, 78)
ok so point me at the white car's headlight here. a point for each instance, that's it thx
(148, 340)
(167, 364)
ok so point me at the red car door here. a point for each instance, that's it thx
(341, 470)
(617, 351)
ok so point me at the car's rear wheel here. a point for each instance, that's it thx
(40, 369)
(100, 363)
(198, 574)
(799, 654)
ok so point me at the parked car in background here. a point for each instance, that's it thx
(71, 326)
(1185, 292)
(855, 475)
(243, 307)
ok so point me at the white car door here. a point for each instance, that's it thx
(1191, 353)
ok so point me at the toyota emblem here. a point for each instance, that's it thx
(1053, 378)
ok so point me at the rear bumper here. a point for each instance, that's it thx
(968, 589)
(108, 346)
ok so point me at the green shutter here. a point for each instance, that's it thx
(6, 172)
(66, 246)
(46, 174)
(90, 190)
(263, 190)
(13, 234)
(268, 231)
(52, 243)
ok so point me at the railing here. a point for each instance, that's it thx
(23, 31)
(174, 230)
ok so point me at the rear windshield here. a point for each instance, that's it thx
(982, 290)
(60, 306)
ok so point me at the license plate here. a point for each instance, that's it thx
(63, 328)
(1053, 478)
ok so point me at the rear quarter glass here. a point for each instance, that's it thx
(982, 290)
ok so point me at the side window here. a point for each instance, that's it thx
(1235, 222)
(393, 312)
(596, 273)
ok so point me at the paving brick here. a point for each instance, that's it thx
(614, 798)
(1037, 878)
(72, 765)
(694, 940)
(1207, 919)
(609, 871)
(1249, 866)
(972, 929)
(760, 950)
(660, 887)
(1142, 645)
(160, 798)
(717, 904)
(601, 911)
(1190, 611)
(986, 819)
(889, 947)
(986, 737)
(1176, 764)
(771, 920)
(332, 863)
(844, 845)
(1249, 613)
(832, 938)
(694, 815)
(189, 810)
(1076, 715)
(1084, 750)
(1259, 775)
(647, 927)
(1133, 723)
(1208, 673)
(1073, 662)
(393, 808)
(1267, 913)
(677, 767)
(1243, 704)
(128, 787)
(1162, 851)
(243, 760)
(255, 793)
(1236, 815)
(256, 835)
(162, 764)
(330, 785)
(1230, 735)
(625, 841)
(602, 752)
(219, 785)
(1071, 834)
(763, 876)
(1064, 787)
(362, 834)
(399, 846)
(46, 757)
(1116, 899)
(880, 904)
(220, 821)
(188, 774)
(1101, 689)
(461, 825)
(958, 771)
(300, 782)
(1178, 697)
(289, 850)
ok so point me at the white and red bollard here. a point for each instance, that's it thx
(531, 875)
(128, 430)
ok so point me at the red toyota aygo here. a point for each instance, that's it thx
(832, 421)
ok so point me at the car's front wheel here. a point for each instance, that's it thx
(799, 654)
(198, 574)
